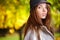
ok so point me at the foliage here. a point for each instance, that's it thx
(14, 13)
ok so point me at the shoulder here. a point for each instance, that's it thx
(31, 35)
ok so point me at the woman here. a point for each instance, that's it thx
(38, 24)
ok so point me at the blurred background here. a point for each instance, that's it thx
(14, 14)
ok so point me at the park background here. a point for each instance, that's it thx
(14, 14)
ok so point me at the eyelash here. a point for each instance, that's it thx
(40, 7)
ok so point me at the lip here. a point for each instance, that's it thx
(44, 15)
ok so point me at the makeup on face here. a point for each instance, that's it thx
(41, 10)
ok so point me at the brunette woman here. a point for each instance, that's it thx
(38, 24)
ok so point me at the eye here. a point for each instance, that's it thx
(39, 7)
(45, 6)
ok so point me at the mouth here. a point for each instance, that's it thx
(44, 14)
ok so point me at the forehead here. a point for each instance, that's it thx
(42, 4)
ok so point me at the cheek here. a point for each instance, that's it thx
(46, 11)
(39, 12)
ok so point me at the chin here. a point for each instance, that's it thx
(43, 17)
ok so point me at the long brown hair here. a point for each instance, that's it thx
(34, 21)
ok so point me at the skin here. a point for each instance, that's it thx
(41, 10)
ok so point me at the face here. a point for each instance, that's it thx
(41, 10)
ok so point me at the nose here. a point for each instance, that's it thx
(44, 10)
